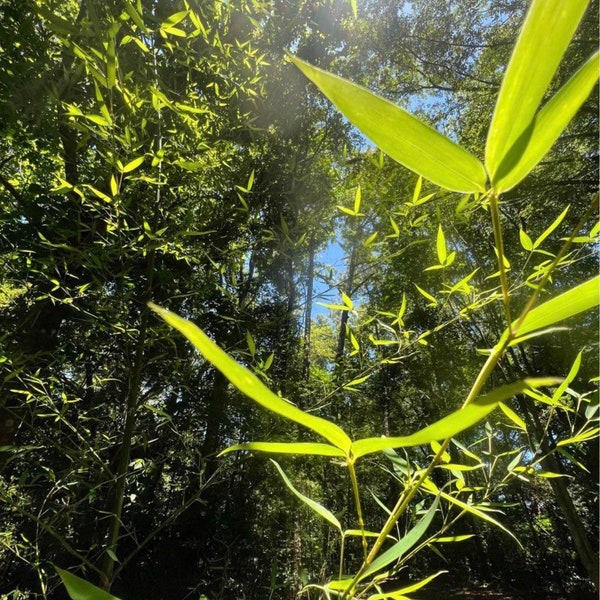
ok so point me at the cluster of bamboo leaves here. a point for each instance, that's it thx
(523, 128)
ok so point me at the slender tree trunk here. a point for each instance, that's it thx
(339, 354)
(131, 406)
(310, 281)
(214, 418)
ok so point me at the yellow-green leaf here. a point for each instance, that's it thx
(546, 127)
(401, 135)
(399, 594)
(318, 508)
(572, 302)
(513, 416)
(132, 165)
(405, 543)
(441, 245)
(306, 448)
(452, 424)
(545, 35)
(249, 384)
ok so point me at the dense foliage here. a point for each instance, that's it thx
(170, 152)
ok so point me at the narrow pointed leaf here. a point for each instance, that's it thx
(513, 416)
(453, 538)
(310, 448)
(580, 437)
(478, 513)
(401, 547)
(401, 135)
(562, 388)
(399, 594)
(441, 246)
(80, 589)
(547, 126)
(249, 384)
(551, 228)
(545, 35)
(133, 164)
(454, 423)
(318, 508)
(571, 303)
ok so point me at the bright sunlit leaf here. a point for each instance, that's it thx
(572, 302)
(305, 448)
(399, 594)
(452, 424)
(133, 164)
(545, 35)
(401, 135)
(513, 416)
(441, 245)
(249, 384)
(547, 126)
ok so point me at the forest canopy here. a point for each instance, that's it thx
(298, 299)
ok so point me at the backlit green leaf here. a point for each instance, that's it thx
(551, 228)
(452, 424)
(80, 589)
(545, 35)
(546, 127)
(400, 135)
(249, 384)
(513, 416)
(399, 594)
(525, 241)
(441, 245)
(475, 511)
(405, 544)
(318, 508)
(133, 164)
(453, 538)
(310, 448)
(572, 302)
(584, 436)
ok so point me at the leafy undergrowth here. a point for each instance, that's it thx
(493, 592)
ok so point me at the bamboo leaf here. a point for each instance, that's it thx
(399, 594)
(405, 544)
(453, 538)
(400, 135)
(80, 589)
(441, 245)
(318, 508)
(452, 424)
(571, 303)
(513, 416)
(357, 199)
(132, 165)
(361, 533)
(584, 436)
(428, 296)
(545, 35)
(552, 227)
(547, 126)
(135, 16)
(309, 448)
(477, 512)
(562, 388)
(249, 384)
(525, 241)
